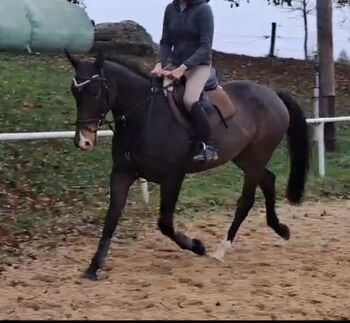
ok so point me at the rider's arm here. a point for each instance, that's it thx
(166, 40)
(206, 28)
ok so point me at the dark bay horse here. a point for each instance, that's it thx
(151, 144)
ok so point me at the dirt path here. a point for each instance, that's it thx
(150, 278)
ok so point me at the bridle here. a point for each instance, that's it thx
(105, 104)
(103, 96)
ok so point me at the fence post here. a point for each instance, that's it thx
(317, 89)
(273, 40)
(321, 149)
(319, 128)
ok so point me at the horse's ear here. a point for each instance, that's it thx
(100, 59)
(70, 58)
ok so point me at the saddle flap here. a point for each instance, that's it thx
(174, 99)
(220, 99)
(214, 98)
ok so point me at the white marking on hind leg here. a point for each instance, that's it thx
(145, 193)
(220, 252)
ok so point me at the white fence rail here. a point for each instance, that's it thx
(45, 135)
(318, 122)
(319, 137)
(65, 134)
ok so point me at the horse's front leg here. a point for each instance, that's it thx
(169, 193)
(120, 183)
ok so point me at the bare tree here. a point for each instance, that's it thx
(78, 2)
(305, 7)
(236, 3)
(308, 6)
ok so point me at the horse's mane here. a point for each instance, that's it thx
(130, 64)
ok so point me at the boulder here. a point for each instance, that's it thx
(124, 38)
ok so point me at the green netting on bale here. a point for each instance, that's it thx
(44, 25)
(58, 24)
(15, 29)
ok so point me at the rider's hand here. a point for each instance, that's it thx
(175, 74)
(157, 70)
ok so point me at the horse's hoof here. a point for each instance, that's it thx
(216, 257)
(220, 252)
(198, 247)
(284, 231)
(90, 276)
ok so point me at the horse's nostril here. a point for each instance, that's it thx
(87, 143)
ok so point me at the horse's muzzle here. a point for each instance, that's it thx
(85, 140)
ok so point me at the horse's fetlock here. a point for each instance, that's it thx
(166, 228)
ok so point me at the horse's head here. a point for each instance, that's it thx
(90, 90)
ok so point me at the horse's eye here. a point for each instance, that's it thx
(95, 93)
(94, 90)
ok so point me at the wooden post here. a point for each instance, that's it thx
(326, 65)
(273, 40)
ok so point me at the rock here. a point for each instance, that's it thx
(124, 38)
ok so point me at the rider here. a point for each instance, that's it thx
(185, 49)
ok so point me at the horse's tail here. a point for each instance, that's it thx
(299, 149)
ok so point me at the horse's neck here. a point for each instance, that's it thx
(132, 91)
(150, 126)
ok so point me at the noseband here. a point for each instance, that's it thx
(103, 96)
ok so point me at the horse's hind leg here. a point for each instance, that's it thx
(245, 203)
(267, 184)
(170, 190)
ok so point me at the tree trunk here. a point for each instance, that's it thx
(327, 74)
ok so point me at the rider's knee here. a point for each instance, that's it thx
(189, 101)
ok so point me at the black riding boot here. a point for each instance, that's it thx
(201, 125)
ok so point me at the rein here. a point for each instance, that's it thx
(101, 120)
(154, 90)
